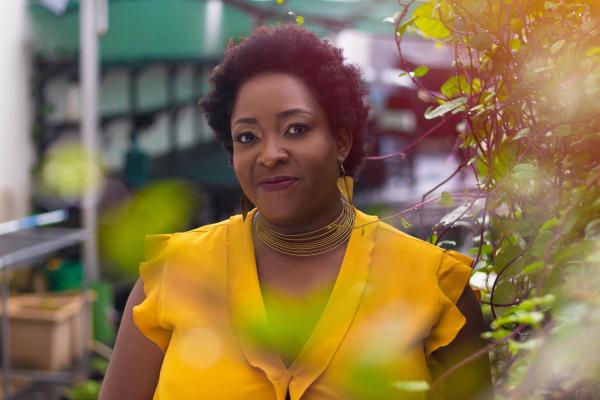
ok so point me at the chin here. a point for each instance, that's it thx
(279, 214)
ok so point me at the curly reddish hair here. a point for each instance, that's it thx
(288, 48)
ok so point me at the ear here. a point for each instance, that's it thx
(343, 143)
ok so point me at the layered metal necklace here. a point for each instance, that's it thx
(312, 243)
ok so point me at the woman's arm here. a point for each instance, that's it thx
(135, 363)
(472, 380)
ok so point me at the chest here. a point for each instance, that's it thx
(297, 276)
(294, 294)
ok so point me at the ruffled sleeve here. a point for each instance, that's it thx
(453, 275)
(147, 315)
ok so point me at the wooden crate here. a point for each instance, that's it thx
(45, 331)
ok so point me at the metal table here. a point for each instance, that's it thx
(16, 250)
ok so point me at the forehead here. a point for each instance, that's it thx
(272, 92)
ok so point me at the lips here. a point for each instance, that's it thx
(277, 183)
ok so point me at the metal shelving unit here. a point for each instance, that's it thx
(16, 250)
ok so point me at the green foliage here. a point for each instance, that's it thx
(421, 71)
(411, 386)
(526, 80)
(446, 107)
(99, 365)
(405, 224)
(446, 200)
(88, 390)
(161, 207)
(428, 21)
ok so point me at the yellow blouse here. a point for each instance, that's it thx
(393, 303)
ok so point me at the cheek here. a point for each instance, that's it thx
(321, 158)
(242, 171)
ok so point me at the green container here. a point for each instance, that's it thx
(103, 313)
(67, 275)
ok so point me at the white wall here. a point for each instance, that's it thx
(15, 111)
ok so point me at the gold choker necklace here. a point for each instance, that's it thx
(312, 243)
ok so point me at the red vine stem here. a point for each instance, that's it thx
(409, 146)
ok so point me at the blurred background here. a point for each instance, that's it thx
(103, 141)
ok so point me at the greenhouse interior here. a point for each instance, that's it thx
(465, 131)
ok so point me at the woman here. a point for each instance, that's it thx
(303, 296)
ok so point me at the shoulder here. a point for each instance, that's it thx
(160, 245)
(394, 245)
(397, 241)
(217, 230)
(214, 228)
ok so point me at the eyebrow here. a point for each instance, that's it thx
(280, 116)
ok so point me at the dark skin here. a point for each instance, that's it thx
(279, 129)
(473, 380)
(135, 363)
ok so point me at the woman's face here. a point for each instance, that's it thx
(284, 154)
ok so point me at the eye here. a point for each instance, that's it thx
(244, 137)
(297, 129)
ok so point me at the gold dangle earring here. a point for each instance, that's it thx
(246, 206)
(345, 183)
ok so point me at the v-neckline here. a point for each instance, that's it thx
(248, 309)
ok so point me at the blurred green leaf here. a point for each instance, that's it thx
(516, 25)
(557, 46)
(402, 27)
(506, 253)
(536, 266)
(530, 304)
(592, 230)
(527, 345)
(480, 41)
(524, 172)
(420, 71)
(454, 86)
(411, 386)
(63, 173)
(405, 223)
(521, 134)
(594, 51)
(99, 365)
(540, 245)
(163, 207)
(433, 238)
(574, 251)
(445, 108)
(533, 318)
(496, 334)
(428, 22)
(446, 200)
(516, 44)
(88, 390)
(549, 224)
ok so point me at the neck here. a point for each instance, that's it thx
(319, 219)
(324, 239)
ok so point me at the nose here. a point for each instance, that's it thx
(272, 153)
